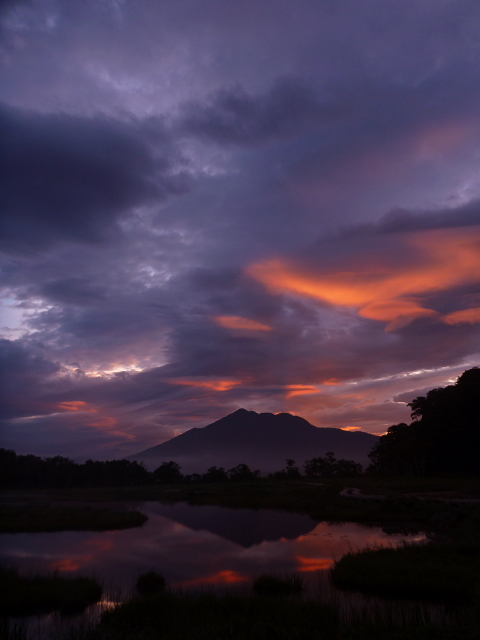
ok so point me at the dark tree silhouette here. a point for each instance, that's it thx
(215, 474)
(242, 472)
(168, 472)
(329, 466)
(443, 436)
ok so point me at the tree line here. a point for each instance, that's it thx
(29, 471)
(442, 437)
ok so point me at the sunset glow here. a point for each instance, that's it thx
(236, 322)
(300, 390)
(314, 564)
(444, 260)
(214, 385)
(228, 576)
(74, 405)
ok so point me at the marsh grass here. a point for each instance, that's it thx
(270, 585)
(432, 572)
(209, 616)
(30, 519)
(227, 617)
(26, 596)
(13, 630)
(150, 583)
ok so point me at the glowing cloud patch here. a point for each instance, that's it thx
(445, 259)
(106, 422)
(74, 405)
(465, 316)
(300, 390)
(237, 322)
(219, 384)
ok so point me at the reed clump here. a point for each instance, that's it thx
(26, 596)
(270, 585)
(150, 583)
(209, 616)
(432, 572)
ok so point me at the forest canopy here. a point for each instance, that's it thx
(442, 437)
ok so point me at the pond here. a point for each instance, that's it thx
(196, 547)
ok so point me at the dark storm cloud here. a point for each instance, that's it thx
(72, 290)
(24, 374)
(70, 178)
(235, 117)
(293, 121)
(402, 221)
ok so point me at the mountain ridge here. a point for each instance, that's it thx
(261, 440)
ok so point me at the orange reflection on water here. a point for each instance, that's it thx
(227, 576)
(314, 564)
(66, 565)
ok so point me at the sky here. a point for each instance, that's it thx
(208, 205)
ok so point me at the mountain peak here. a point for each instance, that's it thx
(261, 440)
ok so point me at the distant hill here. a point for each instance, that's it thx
(262, 440)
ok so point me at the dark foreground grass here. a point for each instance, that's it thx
(35, 595)
(208, 617)
(30, 519)
(228, 617)
(436, 572)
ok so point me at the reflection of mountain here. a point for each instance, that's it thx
(262, 440)
(244, 527)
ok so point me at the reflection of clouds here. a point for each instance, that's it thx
(189, 557)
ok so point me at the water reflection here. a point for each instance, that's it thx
(195, 545)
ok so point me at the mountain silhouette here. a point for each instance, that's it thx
(262, 440)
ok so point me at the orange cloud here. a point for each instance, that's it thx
(214, 385)
(314, 564)
(237, 322)
(74, 405)
(465, 316)
(106, 422)
(300, 390)
(446, 259)
(221, 577)
(101, 422)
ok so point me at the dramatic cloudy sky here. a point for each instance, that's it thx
(208, 205)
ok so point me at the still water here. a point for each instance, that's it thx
(196, 546)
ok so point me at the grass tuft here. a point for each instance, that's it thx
(269, 585)
(431, 572)
(149, 583)
(43, 594)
